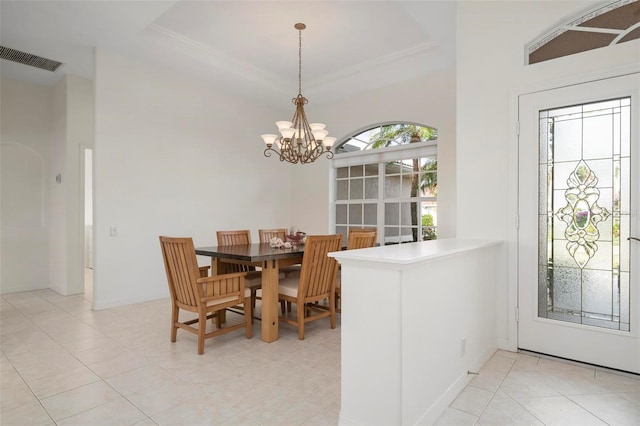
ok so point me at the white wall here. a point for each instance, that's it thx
(72, 111)
(491, 71)
(25, 137)
(42, 229)
(428, 100)
(173, 157)
(58, 228)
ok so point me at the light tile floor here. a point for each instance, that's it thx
(64, 364)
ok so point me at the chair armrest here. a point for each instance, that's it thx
(224, 288)
(214, 278)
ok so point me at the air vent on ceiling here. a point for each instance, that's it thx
(29, 59)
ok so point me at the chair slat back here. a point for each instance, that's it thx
(182, 269)
(267, 234)
(362, 239)
(318, 272)
(232, 238)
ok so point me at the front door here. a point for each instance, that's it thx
(579, 195)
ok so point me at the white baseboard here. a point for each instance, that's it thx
(9, 289)
(507, 345)
(438, 408)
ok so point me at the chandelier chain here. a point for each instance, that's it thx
(299, 62)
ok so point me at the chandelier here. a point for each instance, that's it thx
(300, 142)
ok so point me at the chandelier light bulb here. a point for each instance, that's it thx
(287, 133)
(283, 124)
(269, 139)
(319, 134)
(329, 141)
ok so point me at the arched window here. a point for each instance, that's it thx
(386, 135)
(386, 177)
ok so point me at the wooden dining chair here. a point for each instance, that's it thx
(201, 295)
(315, 283)
(253, 280)
(358, 238)
(358, 230)
(266, 235)
(230, 238)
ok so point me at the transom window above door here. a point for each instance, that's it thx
(601, 26)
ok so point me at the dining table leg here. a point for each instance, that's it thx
(270, 300)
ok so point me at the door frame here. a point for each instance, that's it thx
(82, 243)
(513, 170)
(573, 338)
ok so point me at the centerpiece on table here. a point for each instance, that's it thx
(297, 238)
(292, 238)
(276, 242)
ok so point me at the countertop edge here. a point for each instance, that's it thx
(405, 255)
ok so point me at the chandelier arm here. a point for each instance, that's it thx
(318, 151)
(286, 156)
(309, 157)
(268, 154)
(284, 150)
(292, 154)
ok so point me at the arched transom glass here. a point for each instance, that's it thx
(387, 135)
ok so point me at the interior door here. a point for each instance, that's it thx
(579, 193)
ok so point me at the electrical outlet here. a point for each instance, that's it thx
(463, 346)
(113, 231)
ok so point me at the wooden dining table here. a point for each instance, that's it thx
(270, 260)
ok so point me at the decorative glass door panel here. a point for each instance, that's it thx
(584, 176)
(578, 199)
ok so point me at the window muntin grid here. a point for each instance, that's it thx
(380, 194)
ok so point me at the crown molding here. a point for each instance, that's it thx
(219, 59)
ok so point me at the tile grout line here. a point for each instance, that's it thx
(14, 367)
(518, 402)
(102, 379)
(497, 389)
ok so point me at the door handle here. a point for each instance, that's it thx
(633, 238)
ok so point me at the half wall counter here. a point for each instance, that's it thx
(416, 318)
